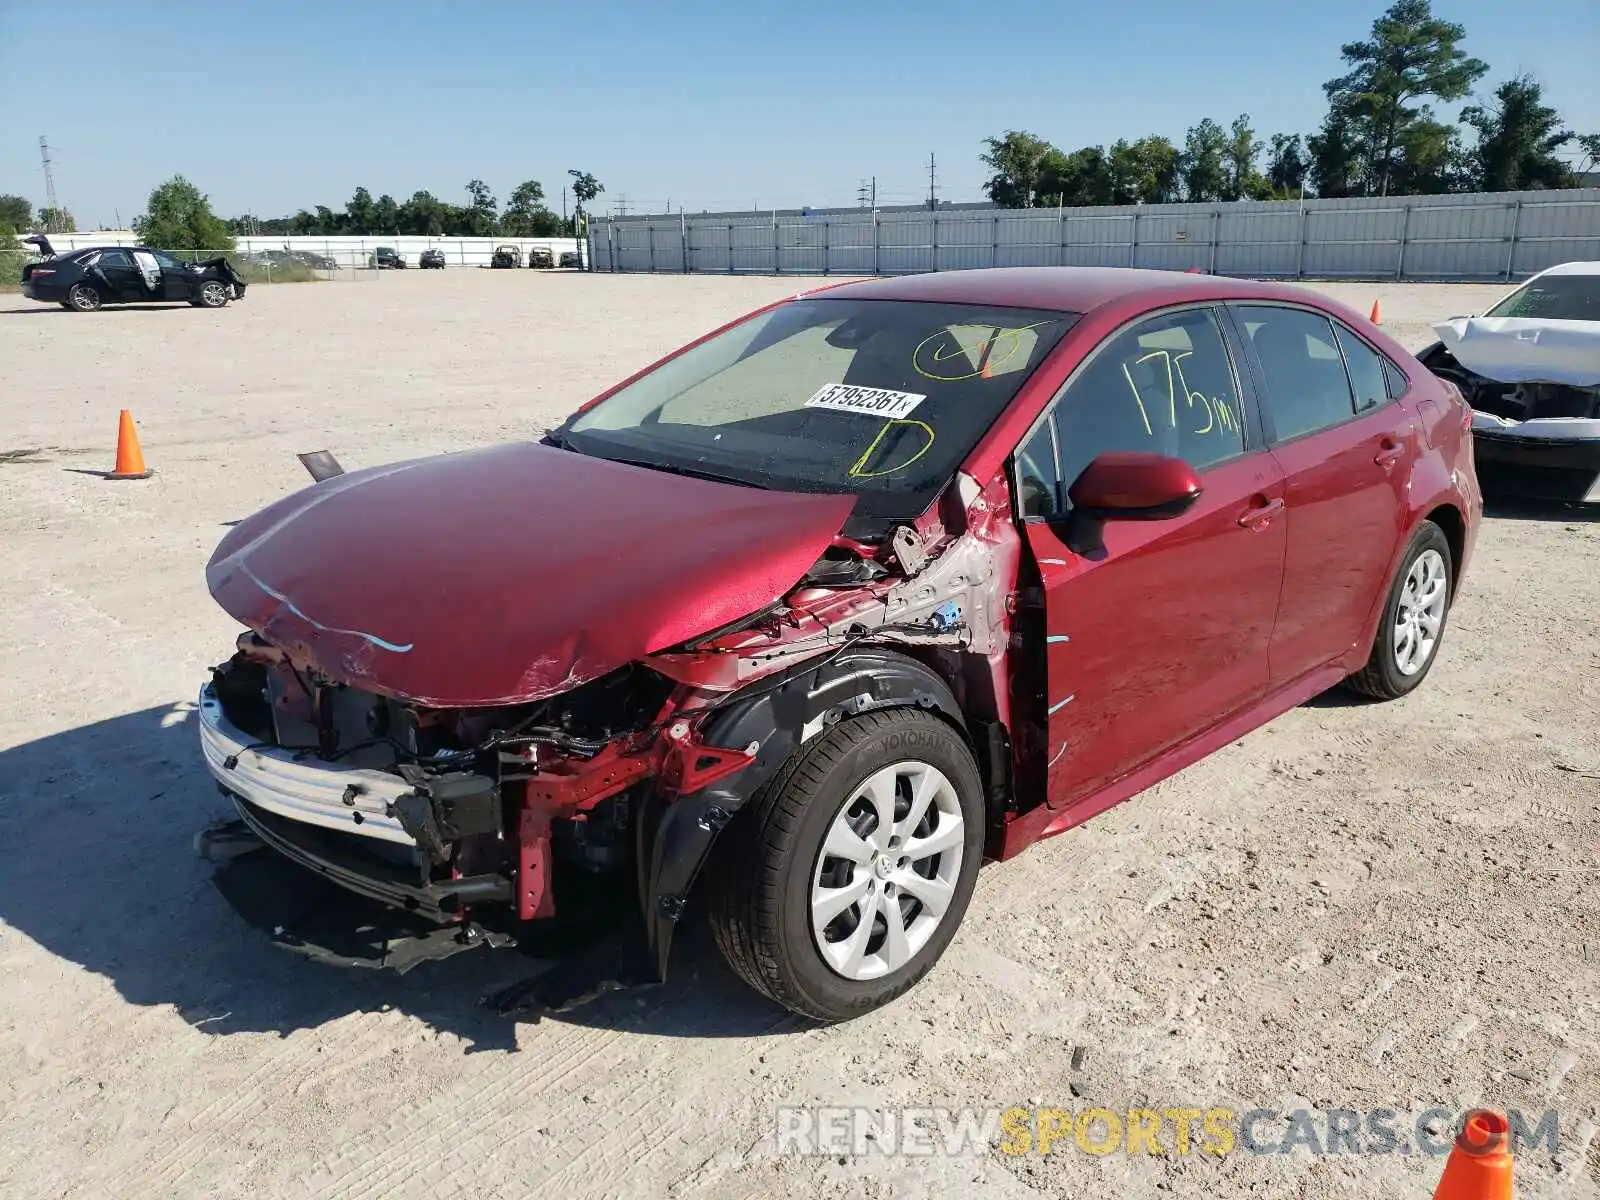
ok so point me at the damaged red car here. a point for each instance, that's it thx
(812, 617)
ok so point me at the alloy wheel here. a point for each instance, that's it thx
(887, 871)
(1419, 615)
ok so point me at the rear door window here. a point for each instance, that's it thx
(1306, 387)
(1365, 366)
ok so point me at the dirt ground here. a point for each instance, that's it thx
(1359, 906)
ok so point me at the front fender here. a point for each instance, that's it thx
(675, 833)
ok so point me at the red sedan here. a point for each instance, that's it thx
(814, 615)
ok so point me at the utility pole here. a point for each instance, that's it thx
(933, 198)
(563, 204)
(49, 185)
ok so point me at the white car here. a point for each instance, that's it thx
(1530, 369)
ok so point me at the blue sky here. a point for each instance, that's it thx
(275, 106)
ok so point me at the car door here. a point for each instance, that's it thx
(1346, 450)
(115, 269)
(1166, 633)
(175, 276)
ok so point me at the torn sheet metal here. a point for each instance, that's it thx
(1525, 349)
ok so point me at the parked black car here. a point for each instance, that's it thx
(84, 280)
(572, 259)
(320, 262)
(432, 258)
(386, 258)
(540, 256)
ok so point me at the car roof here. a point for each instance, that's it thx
(1570, 268)
(1067, 289)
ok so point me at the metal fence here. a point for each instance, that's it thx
(1490, 236)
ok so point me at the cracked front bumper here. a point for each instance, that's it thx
(1548, 458)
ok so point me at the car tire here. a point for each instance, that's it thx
(1415, 613)
(213, 294)
(771, 865)
(84, 297)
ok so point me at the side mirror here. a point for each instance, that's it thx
(1128, 486)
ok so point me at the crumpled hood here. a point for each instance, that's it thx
(510, 573)
(1525, 349)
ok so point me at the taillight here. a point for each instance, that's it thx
(32, 271)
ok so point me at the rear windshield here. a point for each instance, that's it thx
(1554, 298)
(879, 398)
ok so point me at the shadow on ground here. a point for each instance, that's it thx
(1509, 508)
(99, 824)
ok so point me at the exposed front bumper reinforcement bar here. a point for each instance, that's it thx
(339, 859)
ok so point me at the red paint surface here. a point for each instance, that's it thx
(513, 572)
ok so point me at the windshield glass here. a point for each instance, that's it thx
(879, 398)
(1554, 298)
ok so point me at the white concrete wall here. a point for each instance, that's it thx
(348, 252)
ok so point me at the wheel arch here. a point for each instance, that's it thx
(675, 835)
(1453, 522)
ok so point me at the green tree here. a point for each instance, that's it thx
(1017, 160)
(1518, 137)
(178, 216)
(386, 215)
(1244, 181)
(1077, 179)
(527, 215)
(16, 214)
(1286, 165)
(1410, 56)
(1432, 160)
(56, 220)
(1204, 162)
(424, 213)
(1336, 165)
(481, 216)
(358, 213)
(1588, 152)
(1143, 171)
(585, 187)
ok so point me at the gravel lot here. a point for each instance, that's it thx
(1358, 906)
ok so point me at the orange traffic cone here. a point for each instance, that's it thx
(130, 459)
(1479, 1167)
(1377, 314)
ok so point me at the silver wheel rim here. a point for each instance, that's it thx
(886, 874)
(1419, 616)
(84, 297)
(213, 294)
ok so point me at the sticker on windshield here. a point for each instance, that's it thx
(868, 401)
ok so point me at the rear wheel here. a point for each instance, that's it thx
(1414, 616)
(84, 297)
(845, 878)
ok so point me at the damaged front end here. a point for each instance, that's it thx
(1530, 370)
(489, 822)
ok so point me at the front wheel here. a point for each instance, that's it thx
(846, 877)
(213, 294)
(1414, 616)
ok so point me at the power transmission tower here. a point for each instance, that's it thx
(49, 186)
(619, 206)
(933, 193)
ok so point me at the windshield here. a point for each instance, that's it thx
(1554, 298)
(878, 398)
